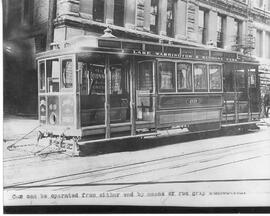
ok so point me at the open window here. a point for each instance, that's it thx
(91, 71)
(184, 77)
(200, 78)
(215, 78)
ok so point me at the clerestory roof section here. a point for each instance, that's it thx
(142, 48)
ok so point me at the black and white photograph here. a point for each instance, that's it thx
(136, 104)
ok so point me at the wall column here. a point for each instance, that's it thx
(86, 8)
(228, 33)
(109, 10)
(130, 14)
(162, 17)
(211, 26)
(181, 19)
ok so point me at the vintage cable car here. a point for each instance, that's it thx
(96, 88)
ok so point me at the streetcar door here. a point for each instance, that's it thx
(119, 91)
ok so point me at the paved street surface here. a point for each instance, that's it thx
(225, 169)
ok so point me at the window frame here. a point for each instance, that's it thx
(153, 75)
(221, 78)
(207, 78)
(172, 20)
(63, 89)
(244, 81)
(156, 15)
(193, 90)
(39, 77)
(220, 30)
(174, 81)
(59, 87)
(251, 74)
(192, 84)
(120, 6)
(123, 78)
(94, 13)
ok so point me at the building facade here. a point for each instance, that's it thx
(261, 23)
(24, 34)
(238, 25)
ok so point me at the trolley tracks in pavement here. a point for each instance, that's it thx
(101, 177)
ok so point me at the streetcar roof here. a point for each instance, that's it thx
(82, 44)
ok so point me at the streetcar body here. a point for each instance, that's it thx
(102, 88)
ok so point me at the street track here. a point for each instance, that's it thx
(111, 176)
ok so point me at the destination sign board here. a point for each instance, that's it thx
(165, 50)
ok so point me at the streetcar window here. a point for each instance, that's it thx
(42, 76)
(252, 77)
(215, 78)
(67, 73)
(166, 76)
(240, 79)
(200, 77)
(53, 75)
(184, 77)
(145, 76)
(96, 80)
(117, 80)
(84, 80)
(228, 83)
